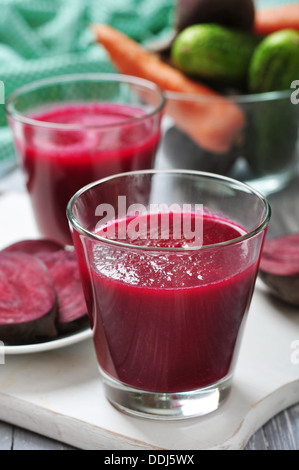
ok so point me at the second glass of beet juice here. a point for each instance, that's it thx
(71, 130)
(168, 261)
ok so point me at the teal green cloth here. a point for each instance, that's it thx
(43, 38)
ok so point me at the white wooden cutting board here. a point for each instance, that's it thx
(59, 393)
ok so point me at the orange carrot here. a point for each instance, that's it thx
(271, 19)
(210, 119)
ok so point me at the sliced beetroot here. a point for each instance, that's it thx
(72, 311)
(33, 247)
(27, 300)
(281, 256)
(279, 267)
(62, 267)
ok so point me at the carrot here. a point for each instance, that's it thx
(210, 119)
(271, 19)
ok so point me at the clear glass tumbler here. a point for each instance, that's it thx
(168, 262)
(71, 130)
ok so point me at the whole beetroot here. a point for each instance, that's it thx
(238, 14)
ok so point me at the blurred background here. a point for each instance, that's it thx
(40, 38)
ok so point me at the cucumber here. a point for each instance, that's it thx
(275, 62)
(215, 52)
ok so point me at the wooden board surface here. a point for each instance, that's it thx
(59, 393)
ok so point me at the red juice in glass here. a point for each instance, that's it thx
(57, 164)
(169, 322)
(72, 130)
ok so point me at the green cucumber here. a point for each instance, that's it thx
(275, 62)
(215, 52)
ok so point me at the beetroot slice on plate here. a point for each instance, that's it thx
(63, 268)
(62, 265)
(279, 267)
(33, 247)
(27, 300)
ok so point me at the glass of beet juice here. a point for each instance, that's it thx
(168, 262)
(71, 130)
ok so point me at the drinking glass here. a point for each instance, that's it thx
(168, 261)
(71, 130)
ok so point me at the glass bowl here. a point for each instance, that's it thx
(253, 137)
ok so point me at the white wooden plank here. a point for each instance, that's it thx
(258, 441)
(6, 436)
(25, 440)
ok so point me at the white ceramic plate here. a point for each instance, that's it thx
(48, 345)
(15, 210)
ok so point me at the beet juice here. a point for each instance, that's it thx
(168, 320)
(103, 139)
